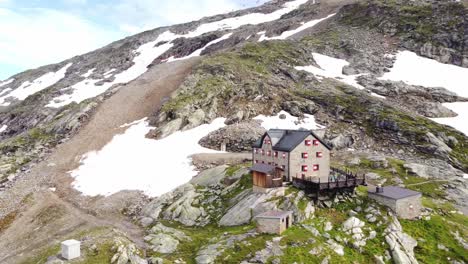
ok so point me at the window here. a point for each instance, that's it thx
(308, 142)
(263, 152)
(263, 161)
(276, 154)
(316, 142)
(284, 155)
(316, 167)
(283, 167)
(269, 153)
(256, 151)
(304, 167)
(256, 161)
(305, 155)
(319, 154)
(267, 141)
(269, 163)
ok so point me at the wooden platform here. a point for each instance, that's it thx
(338, 179)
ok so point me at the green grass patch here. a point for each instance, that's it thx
(434, 232)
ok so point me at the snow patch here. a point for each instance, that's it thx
(331, 68)
(200, 50)
(3, 128)
(415, 70)
(133, 162)
(6, 82)
(248, 19)
(459, 122)
(88, 73)
(28, 88)
(289, 33)
(88, 89)
(290, 122)
(377, 95)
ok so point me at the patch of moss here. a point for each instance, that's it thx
(242, 249)
(7, 220)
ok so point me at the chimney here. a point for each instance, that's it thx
(379, 189)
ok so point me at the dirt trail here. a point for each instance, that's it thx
(131, 102)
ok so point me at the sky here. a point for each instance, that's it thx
(39, 32)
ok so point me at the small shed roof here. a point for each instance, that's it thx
(263, 168)
(274, 214)
(394, 192)
(70, 242)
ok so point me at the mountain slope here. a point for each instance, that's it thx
(69, 128)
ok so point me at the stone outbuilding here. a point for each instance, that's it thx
(405, 203)
(274, 222)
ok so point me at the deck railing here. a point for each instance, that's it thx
(337, 179)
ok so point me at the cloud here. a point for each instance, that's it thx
(33, 37)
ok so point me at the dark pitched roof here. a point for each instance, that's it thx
(395, 192)
(258, 143)
(292, 138)
(289, 139)
(263, 168)
(274, 214)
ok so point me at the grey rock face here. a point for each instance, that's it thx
(236, 137)
(342, 141)
(210, 177)
(400, 243)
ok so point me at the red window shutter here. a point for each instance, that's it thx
(276, 153)
(304, 167)
(308, 142)
(305, 155)
(319, 154)
(284, 155)
(316, 167)
(316, 142)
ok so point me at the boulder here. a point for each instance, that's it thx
(342, 141)
(352, 223)
(237, 137)
(209, 177)
(162, 243)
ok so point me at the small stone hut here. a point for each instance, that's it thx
(274, 222)
(405, 203)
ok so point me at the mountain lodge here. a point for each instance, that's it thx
(300, 157)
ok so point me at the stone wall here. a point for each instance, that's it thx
(409, 207)
(406, 208)
(275, 161)
(269, 225)
(296, 161)
(273, 225)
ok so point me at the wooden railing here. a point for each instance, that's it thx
(337, 179)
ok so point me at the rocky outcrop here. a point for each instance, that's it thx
(400, 243)
(237, 137)
(165, 239)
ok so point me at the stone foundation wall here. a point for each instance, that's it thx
(269, 225)
(409, 208)
(406, 208)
